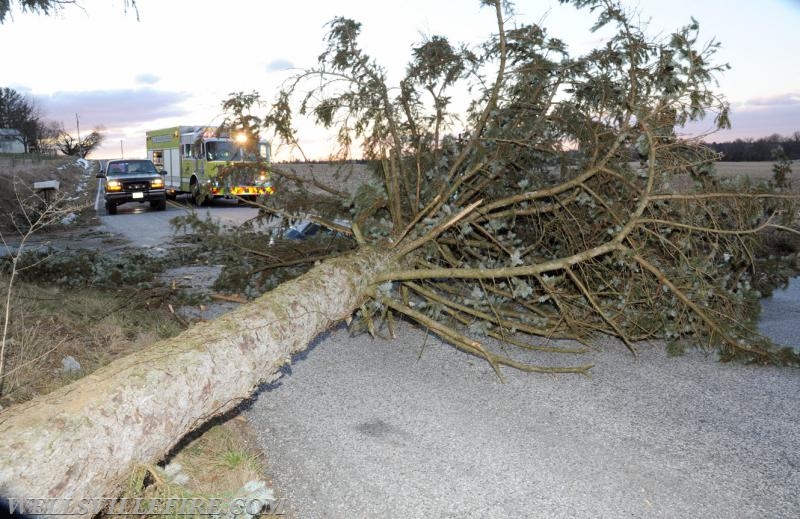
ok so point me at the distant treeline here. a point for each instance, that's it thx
(748, 150)
(740, 150)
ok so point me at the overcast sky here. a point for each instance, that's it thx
(178, 62)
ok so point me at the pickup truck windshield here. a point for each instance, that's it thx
(133, 167)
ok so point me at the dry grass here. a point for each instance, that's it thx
(344, 176)
(218, 462)
(349, 177)
(755, 170)
(18, 175)
(93, 327)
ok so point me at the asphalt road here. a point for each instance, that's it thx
(366, 428)
(146, 227)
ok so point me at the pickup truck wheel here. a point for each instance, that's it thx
(160, 205)
(111, 208)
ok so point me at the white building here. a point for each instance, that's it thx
(11, 141)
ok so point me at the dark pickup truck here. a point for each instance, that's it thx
(135, 180)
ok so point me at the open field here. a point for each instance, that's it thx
(346, 176)
(349, 176)
(755, 170)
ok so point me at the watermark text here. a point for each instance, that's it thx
(146, 506)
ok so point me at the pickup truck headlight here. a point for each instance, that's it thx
(113, 185)
(157, 183)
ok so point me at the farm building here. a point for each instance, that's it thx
(11, 141)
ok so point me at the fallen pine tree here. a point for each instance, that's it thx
(534, 224)
(83, 439)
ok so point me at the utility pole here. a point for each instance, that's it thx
(80, 144)
(121, 151)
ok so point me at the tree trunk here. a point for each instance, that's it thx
(82, 440)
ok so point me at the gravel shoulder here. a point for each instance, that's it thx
(372, 428)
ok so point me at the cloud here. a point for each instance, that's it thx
(767, 120)
(147, 79)
(755, 118)
(762, 117)
(112, 107)
(279, 64)
(777, 101)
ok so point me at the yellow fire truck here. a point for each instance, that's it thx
(205, 163)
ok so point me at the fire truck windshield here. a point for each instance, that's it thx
(228, 151)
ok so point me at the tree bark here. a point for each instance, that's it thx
(82, 440)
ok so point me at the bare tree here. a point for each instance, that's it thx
(21, 114)
(48, 134)
(34, 214)
(69, 145)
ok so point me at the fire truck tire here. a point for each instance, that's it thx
(194, 191)
(196, 195)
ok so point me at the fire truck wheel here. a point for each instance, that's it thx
(194, 189)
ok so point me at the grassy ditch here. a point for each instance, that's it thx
(58, 334)
(73, 322)
(75, 319)
(18, 197)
